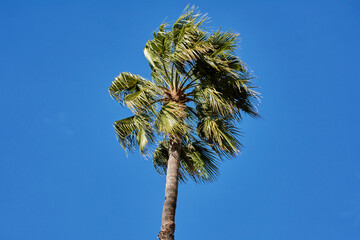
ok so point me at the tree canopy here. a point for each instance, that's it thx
(199, 91)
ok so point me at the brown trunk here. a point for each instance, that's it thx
(171, 191)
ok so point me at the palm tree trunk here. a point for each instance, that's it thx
(171, 191)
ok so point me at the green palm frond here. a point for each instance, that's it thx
(198, 162)
(189, 39)
(234, 88)
(124, 84)
(161, 156)
(134, 131)
(241, 96)
(224, 43)
(220, 134)
(135, 92)
(188, 24)
(170, 117)
(157, 51)
(211, 99)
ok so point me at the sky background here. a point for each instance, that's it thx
(64, 176)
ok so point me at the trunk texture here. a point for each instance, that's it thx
(171, 191)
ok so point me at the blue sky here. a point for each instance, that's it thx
(64, 176)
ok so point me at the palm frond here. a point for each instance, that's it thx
(224, 43)
(134, 91)
(170, 119)
(157, 51)
(232, 85)
(211, 99)
(189, 39)
(198, 162)
(220, 134)
(134, 131)
(124, 84)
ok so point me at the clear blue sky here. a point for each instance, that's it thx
(64, 176)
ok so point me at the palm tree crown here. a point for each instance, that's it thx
(198, 92)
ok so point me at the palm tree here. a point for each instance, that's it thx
(189, 110)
